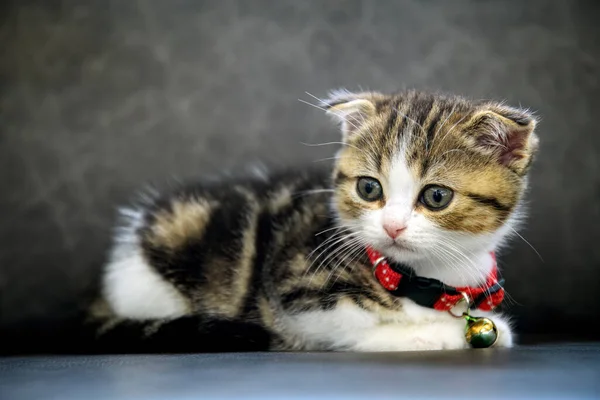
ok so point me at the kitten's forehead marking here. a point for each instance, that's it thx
(402, 182)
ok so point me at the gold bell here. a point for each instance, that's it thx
(480, 332)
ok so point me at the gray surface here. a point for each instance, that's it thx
(100, 97)
(569, 372)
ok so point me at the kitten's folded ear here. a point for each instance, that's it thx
(351, 110)
(506, 133)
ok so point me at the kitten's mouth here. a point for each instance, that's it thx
(398, 252)
(402, 246)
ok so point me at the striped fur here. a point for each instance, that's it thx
(277, 261)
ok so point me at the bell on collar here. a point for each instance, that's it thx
(480, 332)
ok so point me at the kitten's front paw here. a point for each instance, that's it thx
(447, 335)
(445, 342)
(431, 336)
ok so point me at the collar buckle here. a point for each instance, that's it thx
(466, 299)
(376, 264)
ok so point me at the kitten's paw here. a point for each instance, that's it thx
(447, 342)
(425, 344)
(432, 336)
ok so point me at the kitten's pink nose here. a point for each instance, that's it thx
(394, 229)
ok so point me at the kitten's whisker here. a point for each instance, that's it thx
(313, 105)
(352, 252)
(472, 272)
(469, 260)
(456, 251)
(454, 259)
(323, 248)
(329, 143)
(337, 240)
(350, 264)
(443, 255)
(329, 229)
(326, 242)
(362, 119)
(331, 111)
(327, 159)
(342, 254)
(316, 98)
(432, 261)
(336, 158)
(529, 244)
(350, 237)
(511, 300)
(309, 192)
(507, 295)
(459, 245)
(334, 236)
(334, 253)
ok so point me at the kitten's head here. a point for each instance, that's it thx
(425, 175)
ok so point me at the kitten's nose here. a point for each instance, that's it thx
(394, 229)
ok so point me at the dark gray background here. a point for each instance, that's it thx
(100, 97)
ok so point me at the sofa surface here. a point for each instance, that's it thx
(569, 371)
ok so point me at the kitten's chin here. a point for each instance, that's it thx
(399, 252)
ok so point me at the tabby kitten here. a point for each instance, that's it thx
(425, 185)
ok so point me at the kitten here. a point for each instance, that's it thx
(426, 185)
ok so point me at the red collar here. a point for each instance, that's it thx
(432, 293)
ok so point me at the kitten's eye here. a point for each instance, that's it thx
(436, 197)
(369, 189)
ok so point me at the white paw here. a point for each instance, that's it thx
(425, 344)
(431, 336)
(456, 342)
